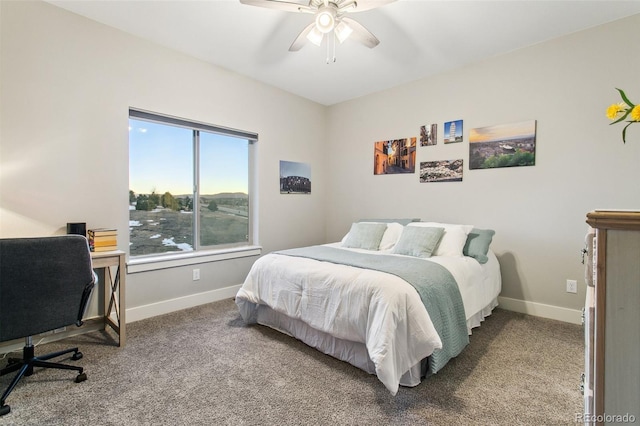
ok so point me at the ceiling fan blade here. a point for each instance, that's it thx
(363, 5)
(279, 5)
(301, 39)
(347, 6)
(361, 34)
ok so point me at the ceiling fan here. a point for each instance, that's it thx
(330, 18)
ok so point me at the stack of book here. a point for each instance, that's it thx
(103, 239)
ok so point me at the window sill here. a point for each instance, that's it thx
(154, 263)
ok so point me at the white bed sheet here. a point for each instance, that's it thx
(300, 295)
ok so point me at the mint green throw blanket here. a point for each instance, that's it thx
(435, 285)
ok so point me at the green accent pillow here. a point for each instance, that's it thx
(477, 245)
(418, 241)
(365, 235)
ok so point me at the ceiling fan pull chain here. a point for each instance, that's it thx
(328, 50)
(331, 47)
(333, 42)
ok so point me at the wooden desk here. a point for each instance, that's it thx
(114, 290)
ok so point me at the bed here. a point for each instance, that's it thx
(395, 299)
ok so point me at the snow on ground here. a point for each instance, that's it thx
(182, 246)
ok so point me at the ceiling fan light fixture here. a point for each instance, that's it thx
(315, 36)
(326, 19)
(342, 31)
(329, 17)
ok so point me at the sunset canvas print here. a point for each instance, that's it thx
(504, 145)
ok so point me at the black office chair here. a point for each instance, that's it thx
(45, 284)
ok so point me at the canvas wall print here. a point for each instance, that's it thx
(394, 156)
(295, 178)
(453, 131)
(441, 171)
(505, 145)
(429, 135)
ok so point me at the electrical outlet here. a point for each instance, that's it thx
(196, 274)
(572, 286)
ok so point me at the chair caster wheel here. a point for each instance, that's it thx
(81, 377)
(5, 409)
(76, 356)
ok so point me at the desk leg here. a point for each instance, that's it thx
(114, 304)
(121, 295)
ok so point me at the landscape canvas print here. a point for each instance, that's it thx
(505, 145)
(295, 178)
(441, 171)
(394, 156)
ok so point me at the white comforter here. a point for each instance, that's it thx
(380, 310)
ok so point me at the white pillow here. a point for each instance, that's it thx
(391, 236)
(454, 238)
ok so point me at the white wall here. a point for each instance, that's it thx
(67, 83)
(538, 212)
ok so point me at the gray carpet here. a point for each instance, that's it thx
(204, 366)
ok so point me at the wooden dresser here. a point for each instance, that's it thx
(612, 319)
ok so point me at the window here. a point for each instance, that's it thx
(189, 185)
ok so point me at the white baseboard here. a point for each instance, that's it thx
(166, 306)
(172, 305)
(541, 310)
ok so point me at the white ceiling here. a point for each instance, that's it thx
(418, 38)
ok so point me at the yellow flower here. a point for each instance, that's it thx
(624, 111)
(614, 110)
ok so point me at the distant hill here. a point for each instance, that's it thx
(214, 196)
(227, 195)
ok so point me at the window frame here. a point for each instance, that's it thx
(201, 254)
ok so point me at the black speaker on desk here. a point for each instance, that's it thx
(77, 228)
